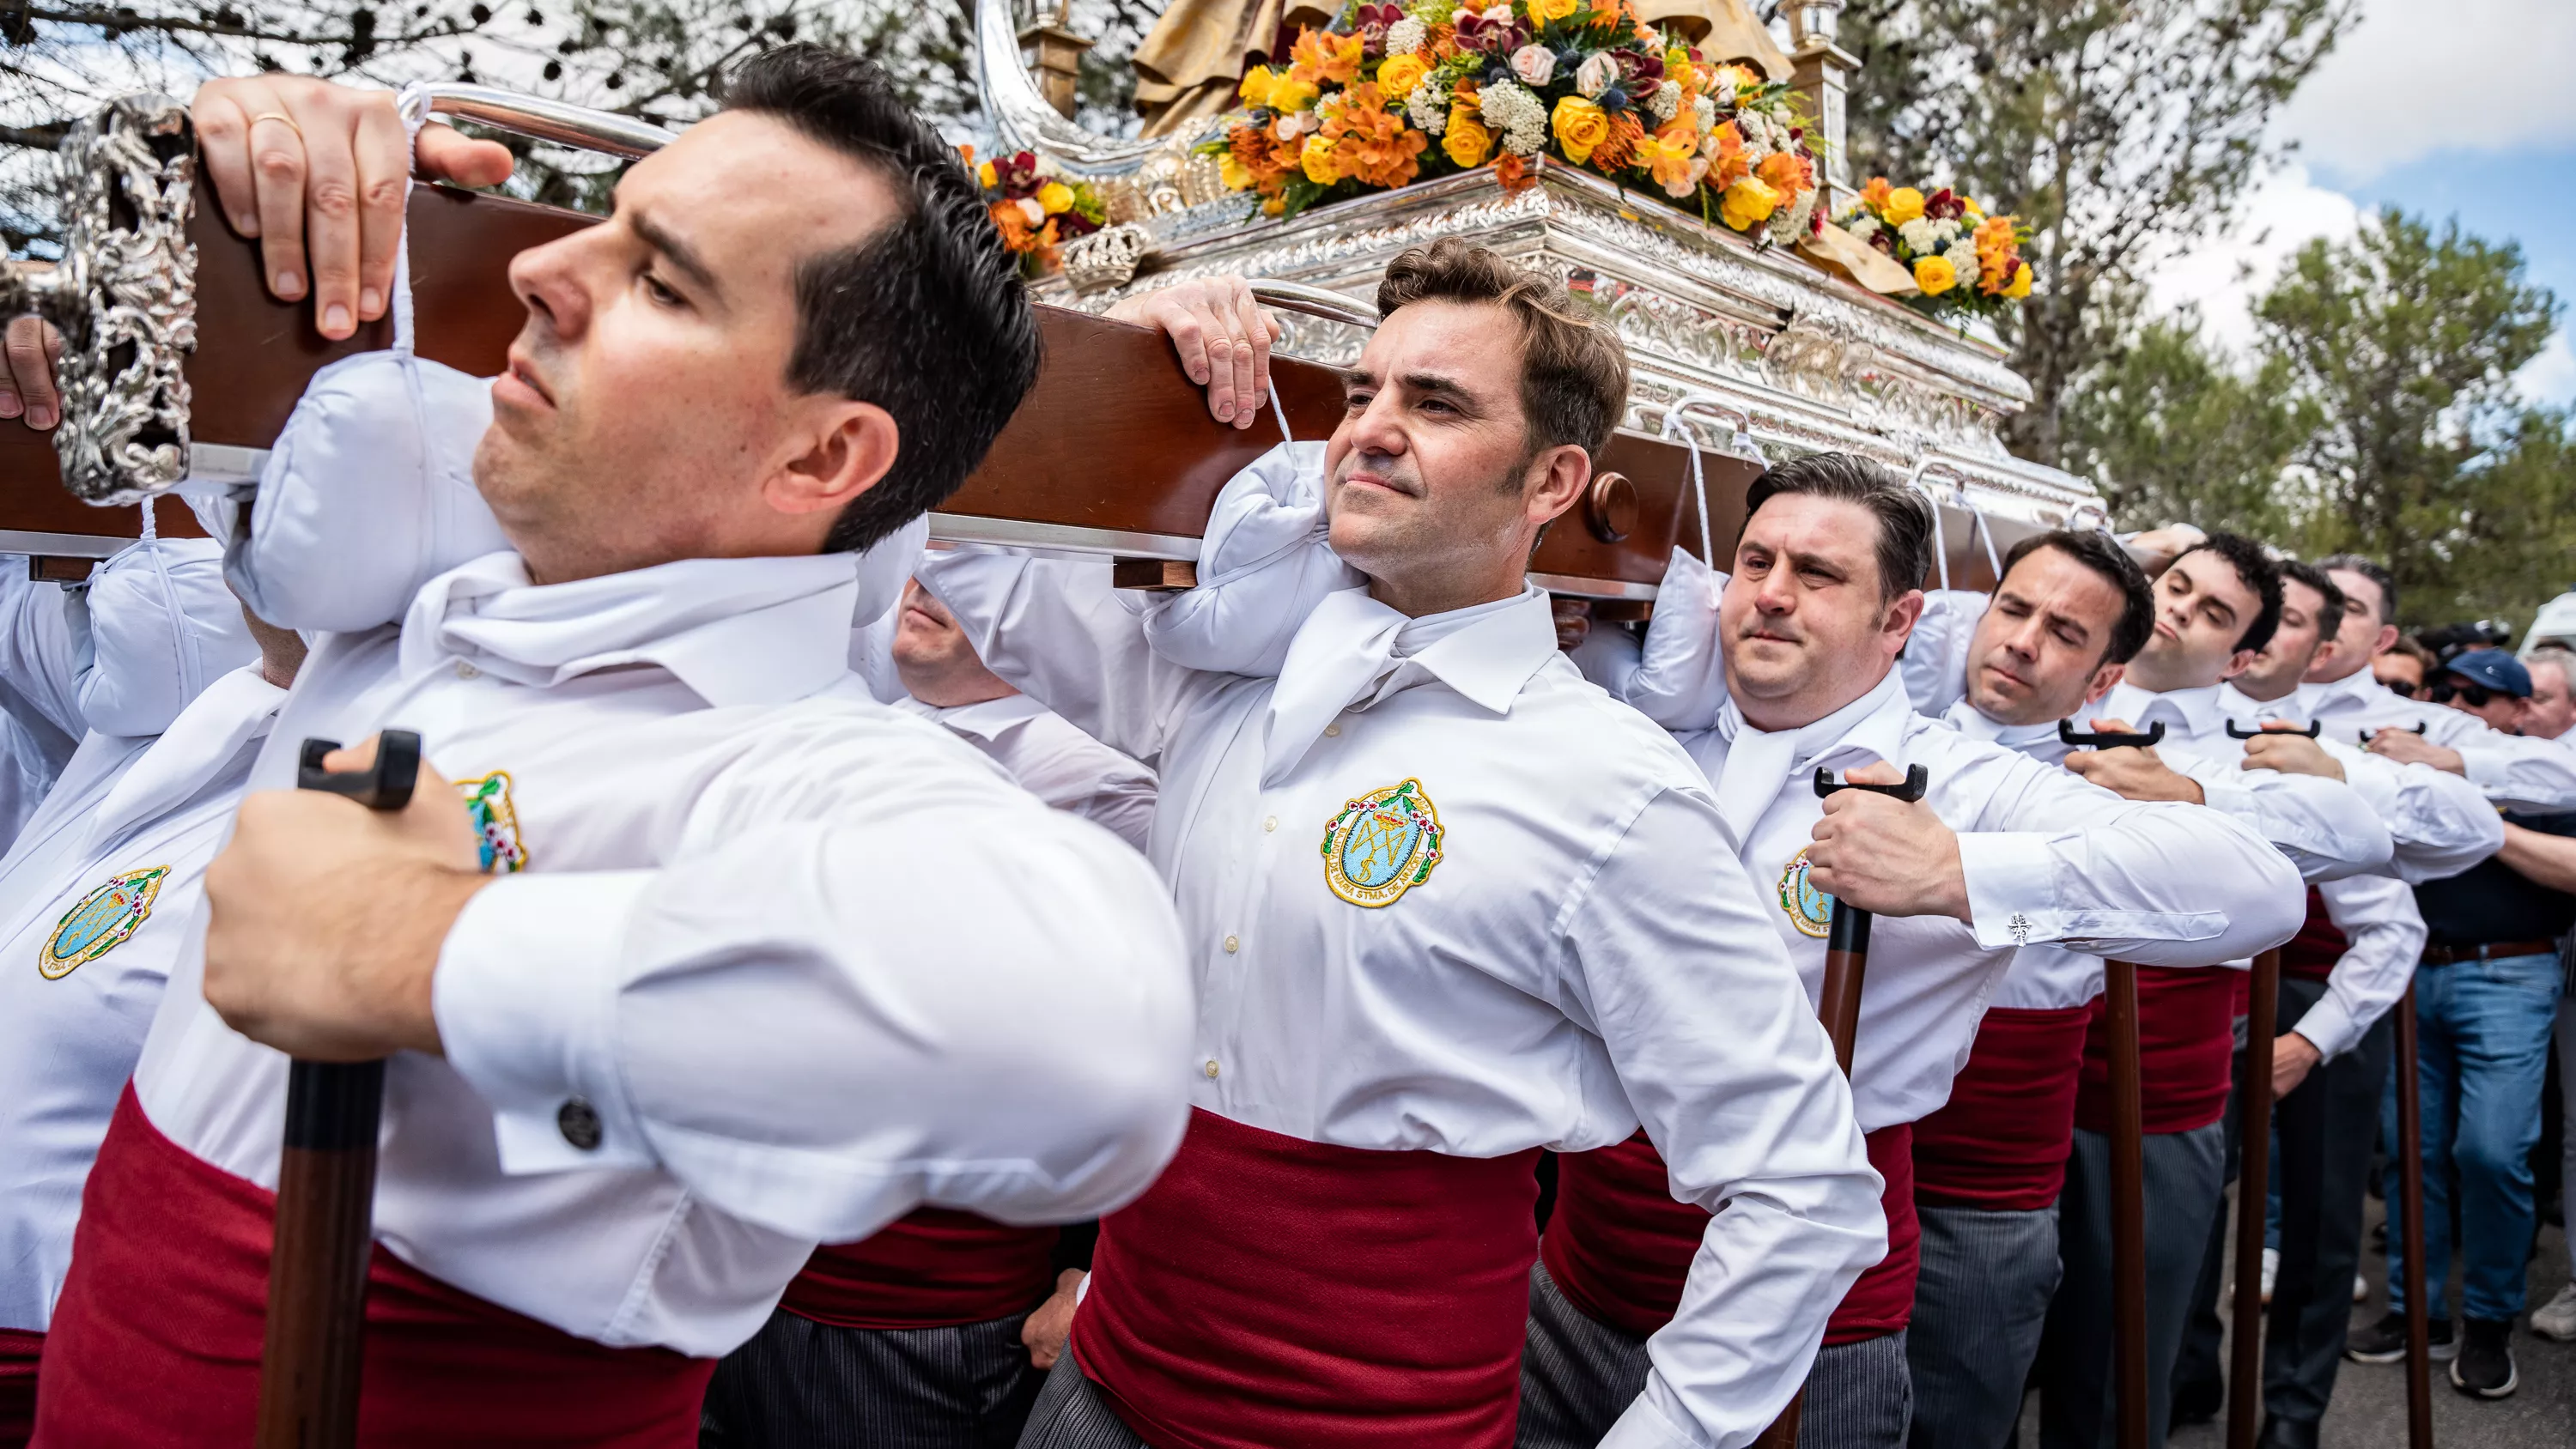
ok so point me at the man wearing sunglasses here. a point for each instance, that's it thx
(2485, 999)
(2404, 667)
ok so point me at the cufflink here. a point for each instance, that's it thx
(578, 1121)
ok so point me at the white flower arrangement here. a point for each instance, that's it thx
(1962, 256)
(1666, 100)
(1406, 36)
(1428, 108)
(1704, 115)
(1518, 114)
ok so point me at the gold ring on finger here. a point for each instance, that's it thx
(275, 116)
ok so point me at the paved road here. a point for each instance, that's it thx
(2369, 1409)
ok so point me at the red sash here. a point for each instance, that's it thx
(935, 1268)
(156, 1341)
(2000, 1143)
(2186, 1047)
(19, 1351)
(2311, 955)
(1268, 1290)
(1620, 1247)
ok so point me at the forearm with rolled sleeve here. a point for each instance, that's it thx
(818, 1026)
(1746, 1106)
(2522, 772)
(2385, 937)
(2161, 884)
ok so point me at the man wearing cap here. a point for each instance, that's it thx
(2486, 994)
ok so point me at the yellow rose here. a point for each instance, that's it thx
(1579, 126)
(1748, 203)
(1397, 78)
(1467, 141)
(1317, 158)
(2020, 283)
(1257, 82)
(1056, 197)
(1291, 94)
(1542, 12)
(1235, 175)
(986, 175)
(1935, 275)
(1903, 205)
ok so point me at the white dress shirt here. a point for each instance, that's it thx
(731, 867)
(1052, 760)
(72, 1021)
(2441, 824)
(2047, 858)
(1548, 981)
(2517, 772)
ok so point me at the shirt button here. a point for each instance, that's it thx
(1211, 1069)
(466, 671)
(578, 1121)
(1269, 824)
(1332, 729)
(1232, 944)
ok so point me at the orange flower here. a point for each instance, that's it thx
(1725, 151)
(1875, 194)
(1515, 174)
(1371, 145)
(1785, 172)
(1671, 155)
(1323, 56)
(1998, 254)
(1442, 40)
(1618, 150)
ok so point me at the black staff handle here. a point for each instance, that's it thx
(326, 1189)
(2074, 738)
(2315, 727)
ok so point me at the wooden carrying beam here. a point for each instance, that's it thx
(1113, 453)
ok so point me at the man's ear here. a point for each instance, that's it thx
(1562, 473)
(2105, 679)
(842, 452)
(1902, 616)
(2386, 641)
(2239, 662)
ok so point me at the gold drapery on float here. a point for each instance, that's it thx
(1189, 63)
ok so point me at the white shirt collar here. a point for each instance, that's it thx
(1760, 763)
(1976, 724)
(736, 630)
(1353, 650)
(983, 719)
(2191, 713)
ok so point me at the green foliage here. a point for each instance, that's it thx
(2119, 130)
(2375, 415)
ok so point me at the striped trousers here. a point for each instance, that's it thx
(1978, 1310)
(805, 1385)
(1578, 1375)
(1072, 1413)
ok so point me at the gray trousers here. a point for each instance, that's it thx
(805, 1385)
(2325, 1129)
(1072, 1413)
(1979, 1307)
(2078, 1384)
(1578, 1375)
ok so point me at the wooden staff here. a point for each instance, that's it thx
(2253, 1187)
(1838, 1005)
(2128, 1152)
(326, 1189)
(2410, 1195)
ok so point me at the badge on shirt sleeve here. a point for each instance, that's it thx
(496, 822)
(1809, 909)
(105, 919)
(1382, 845)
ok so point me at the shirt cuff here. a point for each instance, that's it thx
(526, 1001)
(2489, 770)
(2012, 896)
(2230, 798)
(1643, 1427)
(2329, 1028)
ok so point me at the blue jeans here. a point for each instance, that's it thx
(2483, 1037)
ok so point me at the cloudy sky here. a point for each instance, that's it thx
(2443, 108)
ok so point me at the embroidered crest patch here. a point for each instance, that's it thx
(1809, 909)
(496, 823)
(105, 919)
(1382, 845)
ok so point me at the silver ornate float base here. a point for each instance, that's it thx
(1766, 341)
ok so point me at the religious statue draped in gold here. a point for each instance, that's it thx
(1188, 65)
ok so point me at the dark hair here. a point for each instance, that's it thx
(2258, 572)
(926, 316)
(2355, 563)
(2330, 612)
(1904, 517)
(1574, 372)
(2098, 552)
(2424, 658)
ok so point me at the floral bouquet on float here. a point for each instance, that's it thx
(1964, 262)
(1395, 93)
(1036, 212)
